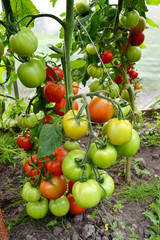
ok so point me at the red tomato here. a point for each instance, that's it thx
(29, 167)
(133, 74)
(75, 87)
(119, 79)
(70, 185)
(50, 75)
(54, 92)
(136, 39)
(24, 141)
(61, 106)
(74, 207)
(107, 56)
(55, 166)
(101, 110)
(47, 120)
(55, 189)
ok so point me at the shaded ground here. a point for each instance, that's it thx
(115, 218)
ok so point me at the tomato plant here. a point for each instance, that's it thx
(129, 19)
(24, 141)
(32, 73)
(103, 107)
(27, 120)
(136, 39)
(24, 43)
(54, 188)
(37, 210)
(87, 194)
(94, 71)
(30, 193)
(118, 132)
(102, 157)
(73, 167)
(107, 56)
(60, 106)
(59, 207)
(74, 208)
(51, 75)
(74, 128)
(54, 92)
(55, 165)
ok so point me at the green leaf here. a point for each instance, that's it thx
(50, 139)
(142, 46)
(153, 2)
(151, 23)
(152, 217)
(39, 105)
(94, 24)
(77, 64)
(22, 8)
(53, 2)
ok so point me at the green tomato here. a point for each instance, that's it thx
(31, 194)
(96, 86)
(103, 157)
(1, 48)
(125, 95)
(114, 90)
(133, 54)
(60, 206)
(94, 71)
(82, 6)
(24, 43)
(129, 19)
(37, 210)
(106, 182)
(27, 120)
(71, 145)
(91, 50)
(118, 132)
(32, 73)
(87, 194)
(129, 149)
(71, 165)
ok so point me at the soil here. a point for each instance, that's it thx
(116, 218)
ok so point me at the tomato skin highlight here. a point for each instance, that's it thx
(50, 75)
(86, 194)
(55, 190)
(54, 92)
(74, 207)
(103, 107)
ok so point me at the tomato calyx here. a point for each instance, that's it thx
(101, 145)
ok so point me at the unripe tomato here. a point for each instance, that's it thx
(96, 86)
(37, 210)
(91, 50)
(27, 120)
(129, 19)
(1, 48)
(59, 207)
(82, 6)
(141, 25)
(100, 110)
(30, 193)
(133, 53)
(113, 90)
(94, 71)
(24, 43)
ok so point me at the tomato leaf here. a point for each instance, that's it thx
(53, 2)
(77, 64)
(151, 23)
(153, 2)
(50, 139)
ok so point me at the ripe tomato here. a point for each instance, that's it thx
(24, 43)
(50, 75)
(129, 19)
(74, 207)
(75, 87)
(141, 25)
(60, 107)
(87, 194)
(137, 86)
(54, 190)
(103, 157)
(71, 127)
(48, 120)
(70, 185)
(133, 53)
(133, 74)
(30, 193)
(107, 56)
(118, 132)
(24, 141)
(129, 149)
(55, 165)
(54, 92)
(37, 210)
(136, 39)
(119, 79)
(103, 107)
(32, 73)
(59, 207)
(29, 166)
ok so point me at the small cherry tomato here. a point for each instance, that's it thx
(75, 87)
(24, 141)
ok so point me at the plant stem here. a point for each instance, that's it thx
(128, 171)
